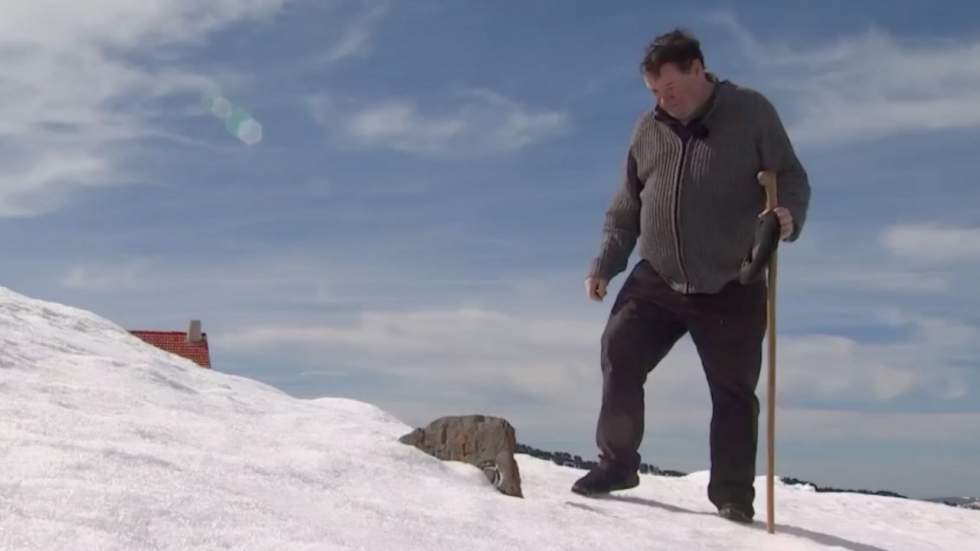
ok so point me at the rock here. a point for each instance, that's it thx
(483, 441)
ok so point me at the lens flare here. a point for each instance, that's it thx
(238, 122)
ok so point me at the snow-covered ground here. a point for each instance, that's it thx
(108, 443)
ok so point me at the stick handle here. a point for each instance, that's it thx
(768, 180)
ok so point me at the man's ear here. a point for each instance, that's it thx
(697, 68)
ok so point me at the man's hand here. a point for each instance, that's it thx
(595, 288)
(785, 221)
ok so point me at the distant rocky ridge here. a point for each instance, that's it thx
(796, 481)
(569, 460)
(964, 502)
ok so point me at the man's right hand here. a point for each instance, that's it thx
(595, 288)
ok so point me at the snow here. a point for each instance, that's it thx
(108, 443)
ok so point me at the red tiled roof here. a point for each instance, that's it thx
(176, 342)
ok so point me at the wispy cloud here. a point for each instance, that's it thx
(933, 242)
(541, 371)
(837, 367)
(477, 122)
(287, 278)
(466, 346)
(287, 286)
(71, 91)
(130, 275)
(869, 85)
(860, 276)
(906, 428)
(356, 38)
(551, 358)
(41, 180)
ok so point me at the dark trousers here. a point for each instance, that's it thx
(727, 328)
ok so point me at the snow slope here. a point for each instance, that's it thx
(109, 443)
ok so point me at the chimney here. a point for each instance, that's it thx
(194, 333)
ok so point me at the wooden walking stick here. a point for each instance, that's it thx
(768, 180)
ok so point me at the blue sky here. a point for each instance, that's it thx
(414, 226)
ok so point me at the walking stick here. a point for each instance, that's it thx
(768, 180)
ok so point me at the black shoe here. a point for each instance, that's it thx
(602, 480)
(735, 513)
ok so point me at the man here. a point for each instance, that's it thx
(690, 195)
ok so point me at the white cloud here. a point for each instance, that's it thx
(869, 85)
(830, 259)
(831, 367)
(71, 91)
(477, 123)
(933, 243)
(924, 356)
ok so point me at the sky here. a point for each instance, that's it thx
(412, 224)
(110, 443)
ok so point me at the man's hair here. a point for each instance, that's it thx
(678, 47)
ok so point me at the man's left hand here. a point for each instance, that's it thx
(785, 221)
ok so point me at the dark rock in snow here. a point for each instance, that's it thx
(480, 440)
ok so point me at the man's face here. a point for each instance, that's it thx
(678, 93)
